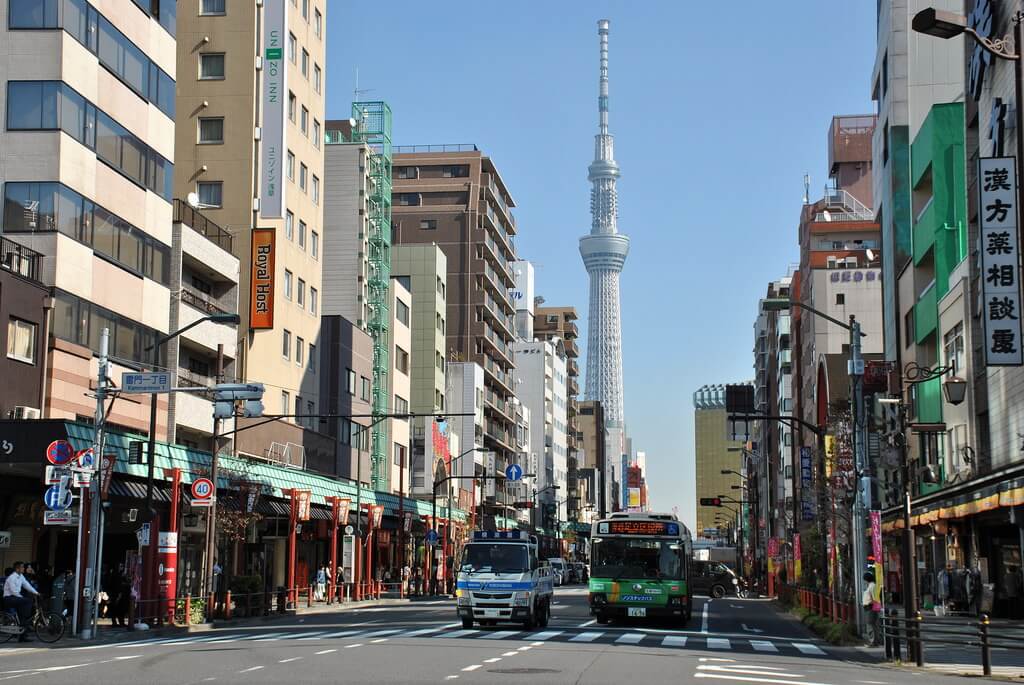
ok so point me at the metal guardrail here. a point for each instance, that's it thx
(202, 302)
(916, 634)
(185, 214)
(449, 147)
(18, 259)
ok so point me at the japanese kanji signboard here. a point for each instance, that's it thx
(1001, 298)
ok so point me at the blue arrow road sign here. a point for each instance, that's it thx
(513, 472)
(52, 498)
(431, 537)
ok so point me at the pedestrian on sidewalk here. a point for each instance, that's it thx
(321, 584)
(867, 601)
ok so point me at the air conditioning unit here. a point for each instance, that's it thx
(851, 262)
(830, 263)
(25, 413)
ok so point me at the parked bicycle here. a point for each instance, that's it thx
(47, 625)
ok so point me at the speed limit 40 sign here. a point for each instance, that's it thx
(202, 492)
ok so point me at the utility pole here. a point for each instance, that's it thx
(92, 579)
(860, 465)
(211, 523)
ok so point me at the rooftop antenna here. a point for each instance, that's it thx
(357, 91)
(807, 189)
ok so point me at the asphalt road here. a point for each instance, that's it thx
(728, 641)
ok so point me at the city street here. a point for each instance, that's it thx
(730, 640)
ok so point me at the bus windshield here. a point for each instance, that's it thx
(495, 558)
(637, 558)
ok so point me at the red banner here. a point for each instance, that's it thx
(302, 499)
(343, 504)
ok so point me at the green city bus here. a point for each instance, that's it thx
(639, 568)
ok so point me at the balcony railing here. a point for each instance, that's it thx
(185, 214)
(19, 259)
(448, 147)
(844, 207)
(201, 301)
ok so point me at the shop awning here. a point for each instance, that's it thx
(961, 503)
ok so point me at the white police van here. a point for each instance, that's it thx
(501, 579)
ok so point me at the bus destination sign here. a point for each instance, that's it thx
(640, 528)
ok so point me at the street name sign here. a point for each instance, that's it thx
(149, 382)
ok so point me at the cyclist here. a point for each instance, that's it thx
(15, 584)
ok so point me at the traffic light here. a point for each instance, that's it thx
(711, 501)
(226, 394)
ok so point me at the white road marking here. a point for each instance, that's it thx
(751, 679)
(450, 677)
(763, 646)
(546, 635)
(524, 649)
(586, 637)
(423, 631)
(378, 640)
(128, 645)
(538, 644)
(311, 636)
(711, 658)
(809, 649)
(471, 668)
(288, 661)
(250, 669)
(378, 633)
(500, 635)
(358, 644)
(588, 623)
(749, 670)
(510, 653)
(325, 651)
(492, 660)
(704, 618)
(674, 641)
(341, 633)
(263, 638)
(459, 633)
(131, 656)
(718, 643)
(630, 638)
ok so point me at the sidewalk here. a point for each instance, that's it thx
(107, 633)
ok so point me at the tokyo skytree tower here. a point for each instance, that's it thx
(604, 253)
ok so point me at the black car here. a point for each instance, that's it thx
(712, 578)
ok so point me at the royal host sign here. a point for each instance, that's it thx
(261, 281)
(275, 100)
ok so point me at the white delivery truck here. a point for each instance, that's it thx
(501, 579)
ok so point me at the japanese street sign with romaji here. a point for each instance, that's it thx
(1001, 295)
(145, 382)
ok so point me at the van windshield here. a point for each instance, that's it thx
(495, 558)
(636, 558)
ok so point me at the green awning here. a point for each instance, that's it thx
(274, 478)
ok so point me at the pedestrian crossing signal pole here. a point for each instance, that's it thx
(90, 587)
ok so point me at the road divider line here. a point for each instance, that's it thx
(471, 668)
(288, 661)
(704, 618)
(251, 669)
(492, 660)
(378, 640)
(510, 653)
(325, 651)
(358, 644)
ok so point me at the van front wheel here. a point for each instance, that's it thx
(467, 623)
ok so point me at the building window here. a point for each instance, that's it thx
(316, 190)
(350, 382)
(211, 130)
(286, 402)
(399, 455)
(402, 311)
(305, 63)
(311, 417)
(317, 79)
(408, 199)
(302, 234)
(953, 346)
(318, 23)
(428, 224)
(401, 405)
(290, 165)
(401, 360)
(908, 329)
(300, 348)
(211, 66)
(207, 7)
(211, 193)
(304, 122)
(286, 344)
(301, 299)
(840, 298)
(364, 388)
(288, 284)
(298, 418)
(292, 43)
(21, 341)
(314, 244)
(312, 357)
(303, 174)
(317, 135)
(405, 172)
(291, 107)
(289, 225)
(314, 297)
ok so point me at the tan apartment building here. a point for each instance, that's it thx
(714, 453)
(251, 149)
(86, 163)
(560, 322)
(401, 347)
(454, 197)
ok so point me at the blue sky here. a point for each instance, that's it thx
(718, 109)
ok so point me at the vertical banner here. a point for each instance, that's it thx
(876, 551)
(167, 565)
(302, 499)
(489, 471)
(407, 524)
(275, 99)
(1000, 249)
(261, 278)
(798, 566)
(343, 505)
(378, 514)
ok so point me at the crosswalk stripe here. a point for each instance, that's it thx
(265, 636)
(177, 641)
(379, 633)
(500, 635)
(310, 636)
(129, 645)
(630, 638)
(341, 633)
(808, 648)
(674, 641)
(586, 637)
(459, 633)
(763, 646)
(718, 643)
(546, 635)
(422, 631)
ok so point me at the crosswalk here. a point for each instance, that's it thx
(591, 635)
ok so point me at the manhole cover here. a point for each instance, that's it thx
(523, 671)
